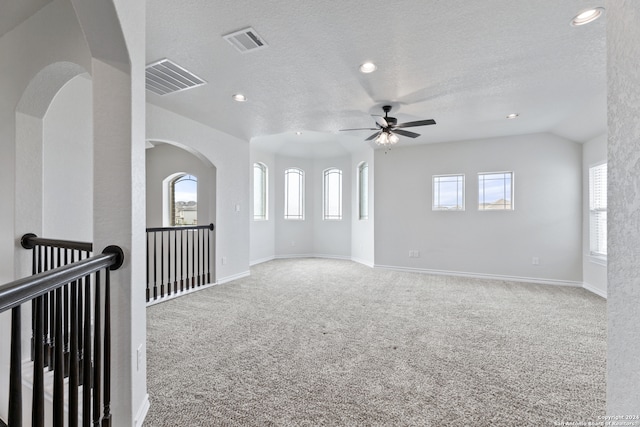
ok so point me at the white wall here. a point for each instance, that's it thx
(230, 156)
(545, 223)
(623, 289)
(263, 233)
(362, 231)
(313, 236)
(331, 238)
(594, 271)
(294, 237)
(164, 160)
(51, 35)
(68, 163)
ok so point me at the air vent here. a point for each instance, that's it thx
(246, 40)
(165, 77)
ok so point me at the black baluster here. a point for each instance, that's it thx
(58, 373)
(15, 371)
(193, 261)
(37, 412)
(182, 260)
(86, 359)
(175, 260)
(147, 266)
(65, 329)
(209, 253)
(155, 269)
(97, 356)
(74, 380)
(161, 264)
(168, 233)
(81, 286)
(106, 419)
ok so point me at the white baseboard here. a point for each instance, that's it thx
(595, 290)
(289, 256)
(142, 412)
(261, 260)
(179, 294)
(233, 277)
(535, 280)
(363, 262)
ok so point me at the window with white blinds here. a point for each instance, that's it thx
(294, 194)
(448, 193)
(598, 210)
(259, 192)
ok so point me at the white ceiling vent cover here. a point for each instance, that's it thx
(246, 40)
(165, 77)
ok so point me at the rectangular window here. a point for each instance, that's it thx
(448, 193)
(294, 194)
(259, 192)
(332, 191)
(363, 191)
(495, 191)
(598, 210)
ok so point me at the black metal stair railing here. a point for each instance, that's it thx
(70, 294)
(178, 259)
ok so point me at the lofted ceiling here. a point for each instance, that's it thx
(465, 64)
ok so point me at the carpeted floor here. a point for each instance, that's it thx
(317, 342)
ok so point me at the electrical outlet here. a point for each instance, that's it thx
(535, 260)
(414, 253)
(224, 260)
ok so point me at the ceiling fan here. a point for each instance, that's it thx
(388, 128)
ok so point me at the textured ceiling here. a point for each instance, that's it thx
(465, 64)
(14, 12)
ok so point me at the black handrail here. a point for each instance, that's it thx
(30, 241)
(23, 290)
(48, 290)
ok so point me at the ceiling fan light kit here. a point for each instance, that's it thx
(387, 129)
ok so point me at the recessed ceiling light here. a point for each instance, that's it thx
(368, 67)
(239, 97)
(298, 133)
(587, 16)
(512, 115)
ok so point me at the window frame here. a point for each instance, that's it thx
(596, 211)
(460, 194)
(328, 194)
(263, 214)
(171, 207)
(301, 195)
(482, 202)
(363, 191)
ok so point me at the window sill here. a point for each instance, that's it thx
(599, 260)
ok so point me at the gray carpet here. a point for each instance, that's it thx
(316, 342)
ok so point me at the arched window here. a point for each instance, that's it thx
(259, 191)
(363, 191)
(183, 200)
(294, 194)
(332, 194)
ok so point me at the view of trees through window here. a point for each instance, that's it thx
(184, 200)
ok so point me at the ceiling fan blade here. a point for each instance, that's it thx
(406, 133)
(372, 136)
(342, 130)
(416, 123)
(381, 122)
